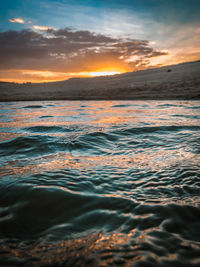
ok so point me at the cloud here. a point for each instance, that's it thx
(17, 20)
(42, 28)
(67, 50)
(31, 75)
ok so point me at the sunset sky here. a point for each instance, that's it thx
(50, 40)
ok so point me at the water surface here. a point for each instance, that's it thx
(100, 183)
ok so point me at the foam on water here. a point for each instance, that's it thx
(100, 183)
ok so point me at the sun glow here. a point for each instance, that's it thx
(97, 72)
(35, 76)
(106, 71)
(103, 73)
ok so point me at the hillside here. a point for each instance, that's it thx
(180, 81)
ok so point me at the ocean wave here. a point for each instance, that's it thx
(117, 186)
(36, 145)
(160, 129)
(34, 106)
(88, 229)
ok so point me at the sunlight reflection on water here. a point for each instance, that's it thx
(99, 183)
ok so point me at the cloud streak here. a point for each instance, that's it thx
(42, 28)
(17, 20)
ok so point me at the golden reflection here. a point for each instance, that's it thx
(112, 119)
(104, 113)
(92, 250)
(8, 135)
(60, 161)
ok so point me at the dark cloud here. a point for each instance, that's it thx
(81, 36)
(68, 50)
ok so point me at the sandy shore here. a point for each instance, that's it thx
(172, 82)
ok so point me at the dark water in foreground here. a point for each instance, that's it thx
(108, 183)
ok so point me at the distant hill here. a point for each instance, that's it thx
(180, 81)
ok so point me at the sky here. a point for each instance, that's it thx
(51, 40)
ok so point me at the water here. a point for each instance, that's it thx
(100, 183)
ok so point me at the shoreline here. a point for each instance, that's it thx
(103, 99)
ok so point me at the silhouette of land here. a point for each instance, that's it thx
(180, 81)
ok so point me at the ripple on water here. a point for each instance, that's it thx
(98, 230)
(117, 186)
(34, 106)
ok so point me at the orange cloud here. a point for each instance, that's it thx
(34, 56)
(17, 20)
(42, 28)
(34, 76)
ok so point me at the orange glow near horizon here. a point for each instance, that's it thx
(99, 72)
(107, 71)
(36, 76)
(39, 76)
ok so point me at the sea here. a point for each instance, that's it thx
(100, 183)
